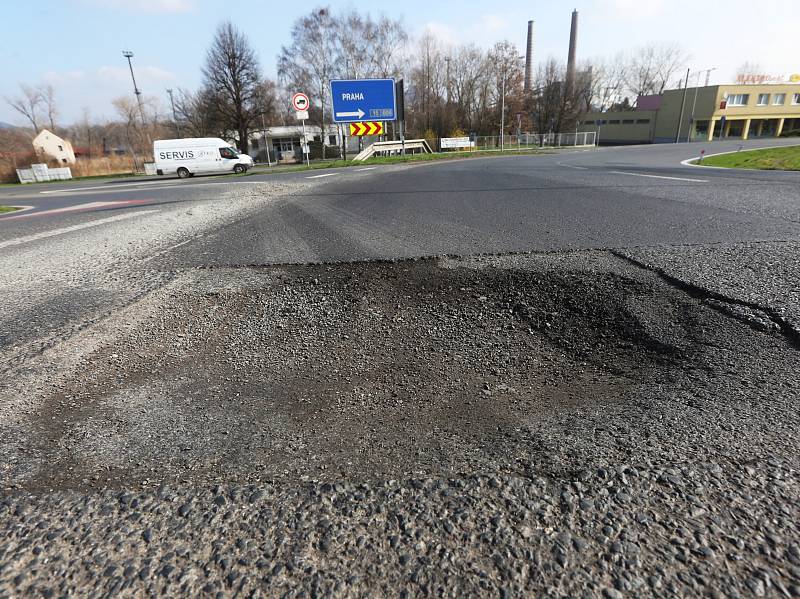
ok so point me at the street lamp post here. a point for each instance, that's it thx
(683, 106)
(128, 54)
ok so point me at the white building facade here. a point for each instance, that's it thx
(49, 145)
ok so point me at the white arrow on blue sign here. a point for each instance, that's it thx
(359, 100)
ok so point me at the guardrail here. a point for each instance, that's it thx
(409, 146)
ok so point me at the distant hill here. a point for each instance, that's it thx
(6, 125)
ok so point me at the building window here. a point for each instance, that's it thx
(796, 99)
(627, 122)
(613, 122)
(763, 99)
(780, 100)
(738, 99)
(643, 121)
(331, 140)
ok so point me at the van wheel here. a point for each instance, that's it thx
(183, 173)
(239, 169)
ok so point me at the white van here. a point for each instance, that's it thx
(187, 157)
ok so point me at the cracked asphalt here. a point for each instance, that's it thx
(495, 377)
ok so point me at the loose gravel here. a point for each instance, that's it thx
(557, 425)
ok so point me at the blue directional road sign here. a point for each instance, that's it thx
(359, 100)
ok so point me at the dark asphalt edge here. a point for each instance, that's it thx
(789, 331)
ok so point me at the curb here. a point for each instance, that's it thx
(688, 161)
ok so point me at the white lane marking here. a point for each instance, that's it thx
(325, 175)
(54, 232)
(369, 168)
(580, 168)
(111, 186)
(170, 248)
(659, 177)
(73, 208)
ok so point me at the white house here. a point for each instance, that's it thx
(51, 145)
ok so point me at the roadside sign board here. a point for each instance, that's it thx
(300, 102)
(359, 100)
(367, 128)
(455, 142)
(302, 115)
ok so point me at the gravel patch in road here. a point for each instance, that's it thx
(558, 424)
(53, 287)
(764, 274)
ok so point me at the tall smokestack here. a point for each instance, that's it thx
(529, 59)
(573, 43)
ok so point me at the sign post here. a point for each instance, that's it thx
(301, 104)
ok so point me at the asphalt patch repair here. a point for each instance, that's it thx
(563, 371)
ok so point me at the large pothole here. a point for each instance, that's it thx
(410, 369)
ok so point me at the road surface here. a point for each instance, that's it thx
(573, 373)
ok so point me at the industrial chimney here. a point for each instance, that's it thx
(529, 59)
(573, 42)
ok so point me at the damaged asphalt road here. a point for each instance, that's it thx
(588, 388)
(567, 422)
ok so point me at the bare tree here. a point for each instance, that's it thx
(128, 110)
(197, 113)
(232, 77)
(28, 104)
(308, 63)
(48, 94)
(653, 67)
(428, 84)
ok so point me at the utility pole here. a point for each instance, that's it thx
(683, 106)
(128, 54)
(264, 137)
(174, 114)
(694, 102)
(503, 112)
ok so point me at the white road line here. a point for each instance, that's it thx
(369, 168)
(659, 177)
(325, 175)
(170, 248)
(580, 168)
(54, 232)
(75, 208)
(111, 187)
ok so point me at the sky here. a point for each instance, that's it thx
(76, 45)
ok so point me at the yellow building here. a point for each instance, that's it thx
(712, 112)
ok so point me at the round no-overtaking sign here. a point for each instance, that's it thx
(300, 101)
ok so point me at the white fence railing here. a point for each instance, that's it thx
(525, 141)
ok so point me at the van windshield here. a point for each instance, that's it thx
(228, 153)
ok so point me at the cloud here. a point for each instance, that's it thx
(146, 6)
(143, 74)
(59, 77)
(487, 30)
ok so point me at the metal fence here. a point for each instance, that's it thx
(529, 141)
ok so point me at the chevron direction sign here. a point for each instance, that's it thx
(368, 128)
